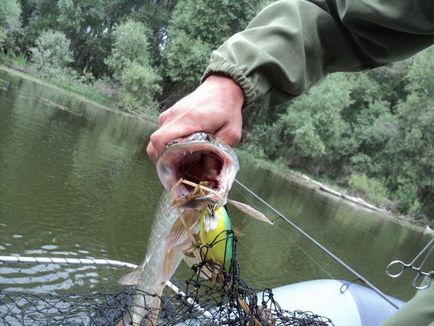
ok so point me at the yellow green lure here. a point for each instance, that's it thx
(213, 227)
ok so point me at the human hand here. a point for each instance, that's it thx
(214, 107)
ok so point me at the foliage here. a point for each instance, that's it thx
(10, 11)
(10, 23)
(51, 55)
(197, 27)
(372, 189)
(130, 62)
(410, 154)
(311, 129)
(140, 84)
(372, 131)
(92, 92)
(89, 24)
(130, 45)
(156, 15)
(19, 60)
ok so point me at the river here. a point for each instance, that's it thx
(75, 182)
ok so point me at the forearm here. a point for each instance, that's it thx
(291, 45)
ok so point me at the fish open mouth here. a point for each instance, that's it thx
(197, 161)
(200, 167)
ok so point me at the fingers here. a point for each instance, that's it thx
(231, 133)
(214, 107)
(162, 118)
(152, 152)
(187, 124)
(164, 135)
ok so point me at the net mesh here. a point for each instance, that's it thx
(210, 296)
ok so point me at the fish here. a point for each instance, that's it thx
(197, 172)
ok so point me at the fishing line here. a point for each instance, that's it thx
(314, 261)
(319, 245)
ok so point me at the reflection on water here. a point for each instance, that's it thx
(75, 182)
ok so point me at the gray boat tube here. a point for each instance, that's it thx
(346, 304)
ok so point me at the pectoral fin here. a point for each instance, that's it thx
(171, 262)
(179, 232)
(192, 259)
(132, 278)
(250, 211)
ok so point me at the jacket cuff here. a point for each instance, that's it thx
(220, 66)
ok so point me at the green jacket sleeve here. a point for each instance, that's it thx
(291, 45)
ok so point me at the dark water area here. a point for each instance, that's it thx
(75, 182)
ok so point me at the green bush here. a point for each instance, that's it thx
(196, 28)
(407, 198)
(2, 36)
(10, 22)
(140, 85)
(130, 62)
(51, 55)
(91, 92)
(372, 189)
(130, 45)
(18, 60)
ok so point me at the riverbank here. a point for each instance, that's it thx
(335, 192)
(68, 90)
(331, 190)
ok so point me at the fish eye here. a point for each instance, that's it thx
(164, 168)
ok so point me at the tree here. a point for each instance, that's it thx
(411, 153)
(10, 22)
(87, 24)
(310, 133)
(196, 28)
(130, 62)
(140, 84)
(130, 45)
(156, 15)
(52, 54)
(37, 16)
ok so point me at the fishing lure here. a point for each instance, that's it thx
(216, 236)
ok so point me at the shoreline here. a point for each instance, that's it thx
(25, 75)
(338, 195)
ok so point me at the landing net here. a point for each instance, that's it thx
(31, 294)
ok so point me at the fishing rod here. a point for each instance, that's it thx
(319, 245)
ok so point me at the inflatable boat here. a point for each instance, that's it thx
(346, 304)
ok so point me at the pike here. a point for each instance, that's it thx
(196, 172)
